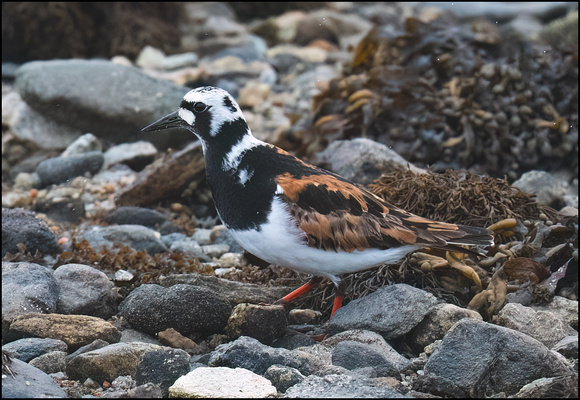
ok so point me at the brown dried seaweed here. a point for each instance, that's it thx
(457, 197)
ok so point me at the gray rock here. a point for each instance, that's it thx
(185, 308)
(202, 236)
(362, 160)
(548, 190)
(169, 238)
(354, 355)
(175, 61)
(249, 353)
(544, 388)
(85, 290)
(21, 226)
(568, 347)
(50, 363)
(565, 308)
(341, 386)
(29, 348)
(436, 324)
(480, 359)
(130, 215)
(373, 342)
(83, 144)
(391, 311)
(153, 58)
(189, 248)
(215, 250)
(29, 382)
(162, 367)
(136, 155)
(544, 326)
(114, 102)
(28, 124)
(283, 377)
(136, 236)
(62, 169)
(27, 288)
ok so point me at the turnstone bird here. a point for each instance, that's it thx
(294, 214)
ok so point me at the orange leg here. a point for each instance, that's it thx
(338, 297)
(311, 284)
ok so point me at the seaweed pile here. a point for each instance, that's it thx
(463, 96)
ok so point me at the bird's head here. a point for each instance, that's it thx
(211, 114)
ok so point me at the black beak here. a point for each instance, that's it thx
(169, 121)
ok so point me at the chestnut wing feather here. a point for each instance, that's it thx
(335, 214)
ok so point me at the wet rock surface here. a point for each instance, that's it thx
(119, 281)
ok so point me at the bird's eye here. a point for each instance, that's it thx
(199, 107)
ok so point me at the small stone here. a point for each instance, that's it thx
(265, 323)
(170, 337)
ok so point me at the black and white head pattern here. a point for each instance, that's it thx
(216, 118)
(207, 109)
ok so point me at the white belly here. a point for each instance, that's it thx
(281, 242)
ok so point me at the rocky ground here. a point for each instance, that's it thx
(119, 281)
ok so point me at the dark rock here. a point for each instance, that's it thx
(185, 308)
(85, 290)
(62, 169)
(294, 341)
(29, 382)
(114, 102)
(249, 353)
(353, 355)
(29, 348)
(263, 322)
(162, 367)
(21, 226)
(391, 311)
(478, 359)
(27, 288)
(341, 386)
